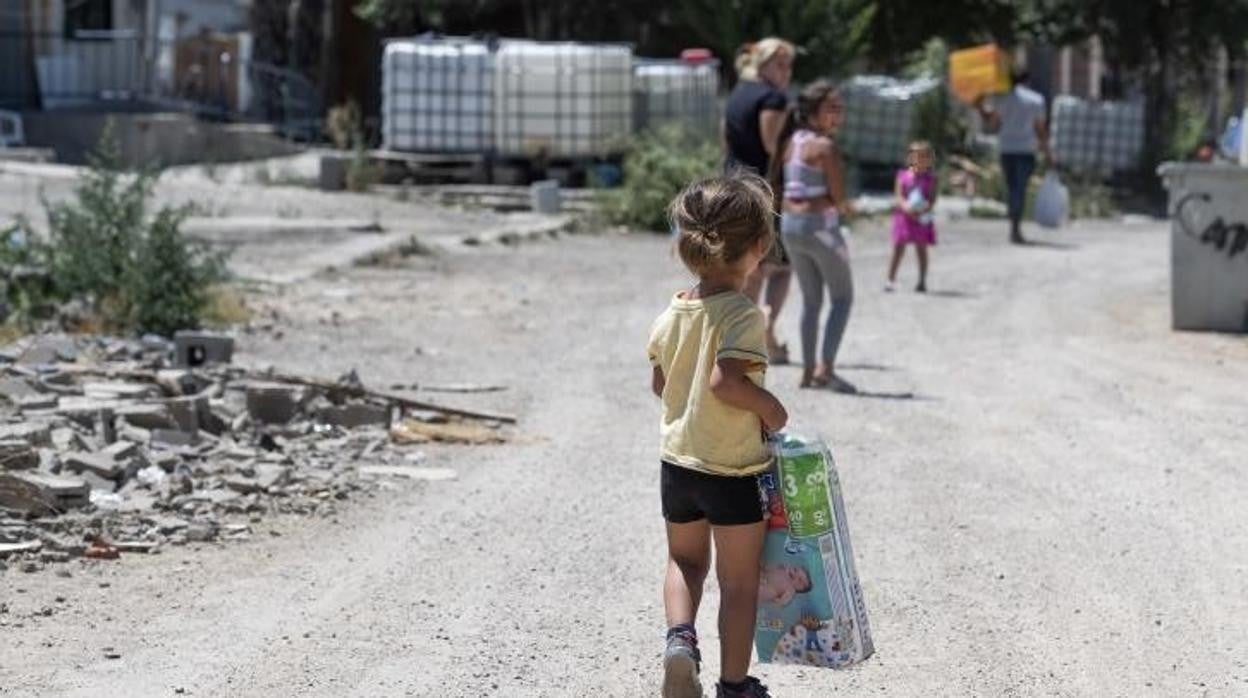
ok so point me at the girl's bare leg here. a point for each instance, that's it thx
(921, 250)
(738, 555)
(899, 251)
(688, 560)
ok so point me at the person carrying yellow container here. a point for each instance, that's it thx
(1020, 120)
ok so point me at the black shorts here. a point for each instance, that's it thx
(723, 500)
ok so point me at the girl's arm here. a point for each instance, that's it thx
(657, 381)
(730, 385)
(898, 200)
(931, 204)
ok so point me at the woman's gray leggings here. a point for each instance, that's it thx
(820, 258)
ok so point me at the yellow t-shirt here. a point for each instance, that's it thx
(698, 430)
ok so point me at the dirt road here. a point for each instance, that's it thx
(1058, 510)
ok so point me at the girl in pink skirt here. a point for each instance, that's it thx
(913, 221)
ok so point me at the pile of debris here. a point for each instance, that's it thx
(114, 445)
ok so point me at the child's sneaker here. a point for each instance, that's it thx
(749, 688)
(681, 663)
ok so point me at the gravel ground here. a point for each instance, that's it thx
(1057, 510)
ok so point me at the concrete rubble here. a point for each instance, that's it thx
(111, 446)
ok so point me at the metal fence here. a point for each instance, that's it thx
(210, 76)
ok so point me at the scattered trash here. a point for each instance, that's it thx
(137, 444)
(409, 472)
(100, 550)
(412, 431)
(463, 388)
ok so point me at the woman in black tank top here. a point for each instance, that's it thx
(753, 118)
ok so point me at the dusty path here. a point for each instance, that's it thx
(1059, 511)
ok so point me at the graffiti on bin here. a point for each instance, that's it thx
(1231, 238)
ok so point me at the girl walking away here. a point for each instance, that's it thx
(809, 173)
(708, 352)
(913, 221)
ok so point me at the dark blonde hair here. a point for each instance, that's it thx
(719, 219)
(752, 57)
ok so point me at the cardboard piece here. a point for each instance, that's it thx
(810, 607)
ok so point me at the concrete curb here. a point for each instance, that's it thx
(512, 234)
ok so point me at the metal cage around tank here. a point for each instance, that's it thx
(563, 100)
(437, 95)
(667, 91)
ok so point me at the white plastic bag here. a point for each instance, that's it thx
(1052, 201)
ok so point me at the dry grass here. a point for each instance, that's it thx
(227, 305)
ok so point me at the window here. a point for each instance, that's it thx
(87, 16)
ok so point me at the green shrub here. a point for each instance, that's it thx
(171, 276)
(1090, 198)
(138, 273)
(657, 166)
(1188, 129)
(26, 284)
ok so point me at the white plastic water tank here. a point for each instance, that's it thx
(437, 95)
(562, 100)
(1097, 137)
(667, 91)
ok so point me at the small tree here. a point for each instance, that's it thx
(138, 273)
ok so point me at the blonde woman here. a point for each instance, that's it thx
(753, 118)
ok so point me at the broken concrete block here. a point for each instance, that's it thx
(172, 438)
(67, 439)
(84, 410)
(216, 497)
(129, 432)
(272, 403)
(271, 475)
(97, 464)
(34, 434)
(242, 483)
(105, 426)
(38, 402)
(179, 381)
(148, 416)
(26, 546)
(186, 411)
(97, 483)
(201, 531)
(16, 454)
(119, 391)
(166, 524)
(49, 460)
(35, 491)
(18, 494)
(15, 388)
(200, 348)
(356, 415)
(49, 350)
(264, 478)
(137, 503)
(121, 450)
